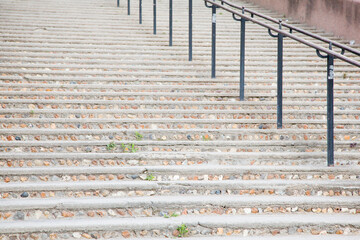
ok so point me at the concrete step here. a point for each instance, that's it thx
(174, 134)
(146, 94)
(175, 158)
(172, 103)
(202, 225)
(106, 60)
(176, 87)
(174, 206)
(98, 146)
(165, 73)
(146, 113)
(171, 123)
(202, 172)
(185, 187)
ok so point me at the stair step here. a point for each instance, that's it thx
(174, 206)
(185, 187)
(167, 226)
(179, 172)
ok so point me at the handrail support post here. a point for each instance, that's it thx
(128, 5)
(330, 110)
(280, 81)
(154, 16)
(213, 42)
(170, 21)
(140, 11)
(280, 40)
(190, 30)
(330, 104)
(242, 60)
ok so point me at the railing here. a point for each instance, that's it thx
(170, 20)
(329, 54)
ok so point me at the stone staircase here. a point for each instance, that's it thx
(107, 132)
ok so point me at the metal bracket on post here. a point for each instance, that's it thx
(213, 39)
(330, 104)
(128, 7)
(140, 11)
(190, 30)
(154, 15)
(280, 38)
(242, 54)
(170, 21)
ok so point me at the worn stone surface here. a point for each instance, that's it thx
(107, 132)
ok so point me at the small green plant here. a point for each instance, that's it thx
(172, 215)
(32, 112)
(138, 136)
(129, 148)
(111, 146)
(344, 76)
(182, 229)
(150, 177)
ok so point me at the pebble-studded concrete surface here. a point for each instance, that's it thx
(107, 132)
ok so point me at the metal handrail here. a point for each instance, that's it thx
(292, 27)
(284, 33)
(330, 55)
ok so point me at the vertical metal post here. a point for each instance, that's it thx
(213, 42)
(279, 79)
(242, 60)
(190, 30)
(170, 21)
(128, 7)
(140, 11)
(330, 109)
(118, 3)
(154, 13)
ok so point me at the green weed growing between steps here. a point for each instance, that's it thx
(111, 146)
(150, 177)
(138, 136)
(174, 214)
(183, 230)
(129, 148)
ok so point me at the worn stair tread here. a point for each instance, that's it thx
(248, 221)
(152, 185)
(208, 155)
(286, 237)
(208, 121)
(224, 144)
(23, 131)
(43, 94)
(177, 102)
(206, 169)
(176, 202)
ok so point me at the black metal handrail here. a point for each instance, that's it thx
(330, 55)
(292, 28)
(170, 20)
(294, 37)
